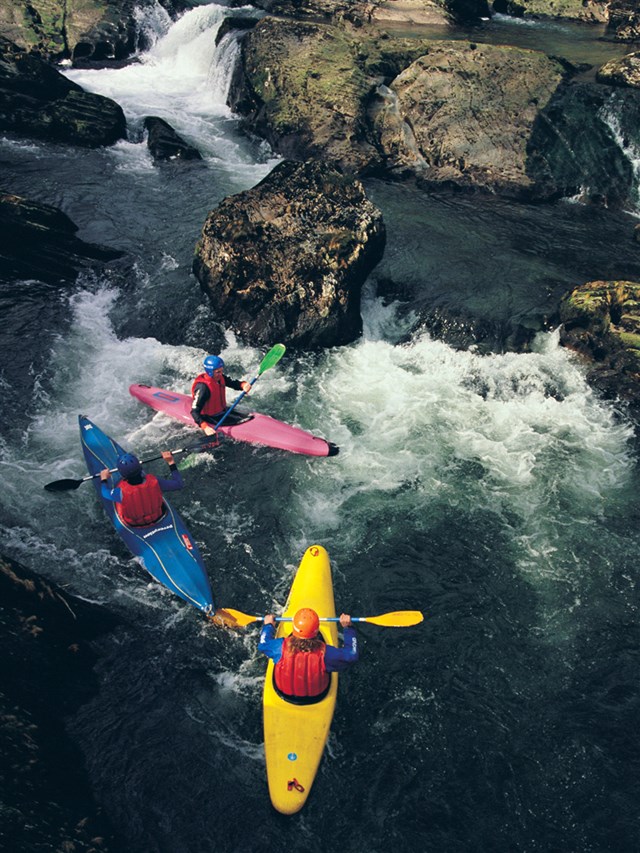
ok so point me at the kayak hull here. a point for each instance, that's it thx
(295, 735)
(166, 548)
(256, 429)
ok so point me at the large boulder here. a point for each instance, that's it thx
(601, 321)
(37, 101)
(301, 88)
(504, 120)
(621, 72)
(38, 242)
(463, 113)
(79, 29)
(624, 20)
(286, 260)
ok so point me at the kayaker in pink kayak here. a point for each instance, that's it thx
(303, 660)
(208, 393)
(138, 496)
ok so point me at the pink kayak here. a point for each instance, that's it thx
(254, 428)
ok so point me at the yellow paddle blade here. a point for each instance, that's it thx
(399, 619)
(233, 618)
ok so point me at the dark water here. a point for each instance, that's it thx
(495, 492)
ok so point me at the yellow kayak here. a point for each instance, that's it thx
(295, 735)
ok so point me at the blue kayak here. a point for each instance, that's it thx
(166, 548)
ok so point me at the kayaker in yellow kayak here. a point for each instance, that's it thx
(208, 393)
(303, 660)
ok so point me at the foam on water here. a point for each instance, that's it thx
(182, 78)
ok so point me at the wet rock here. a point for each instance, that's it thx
(621, 72)
(359, 14)
(46, 672)
(38, 241)
(301, 88)
(624, 20)
(37, 101)
(601, 321)
(578, 147)
(286, 260)
(233, 24)
(165, 144)
(63, 29)
(506, 121)
(463, 114)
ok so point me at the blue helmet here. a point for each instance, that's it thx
(211, 363)
(128, 464)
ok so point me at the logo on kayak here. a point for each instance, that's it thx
(169, 398)
(157, 530)
(314, 551)
(292, 756)
(187, 542)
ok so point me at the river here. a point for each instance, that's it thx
(494, 491)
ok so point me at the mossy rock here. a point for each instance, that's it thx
(601, 321)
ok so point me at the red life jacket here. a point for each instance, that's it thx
(217, 396)
(140, 504)
(301, 673)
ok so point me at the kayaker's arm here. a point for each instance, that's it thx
(175, 482)
(237, 384)
(339, 659)
(108, 494)
(267, 643)
(200, 396)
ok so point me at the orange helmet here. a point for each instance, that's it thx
(305, 623)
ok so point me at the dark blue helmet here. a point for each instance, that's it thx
(211, 363)
(128, 465)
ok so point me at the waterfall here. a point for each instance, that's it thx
(610, 115)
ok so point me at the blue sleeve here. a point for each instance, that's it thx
(268, 645)
(176, 482)
(339, 659)
(114, 495)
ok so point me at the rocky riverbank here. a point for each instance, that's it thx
(47, 672)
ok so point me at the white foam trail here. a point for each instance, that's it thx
(409, 418)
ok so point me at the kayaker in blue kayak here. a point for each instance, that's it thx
(138, 496)
(208, 393)
(303, 660)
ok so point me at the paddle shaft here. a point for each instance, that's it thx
(270, 360)
(396, 619)
(62, 485)
(234, 404)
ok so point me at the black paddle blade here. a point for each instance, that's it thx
(63, 485)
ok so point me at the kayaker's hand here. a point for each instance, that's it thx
(105, 474)
(269, 619)
(345, 620)
(167, 455)
(209, 430)
(246, 387)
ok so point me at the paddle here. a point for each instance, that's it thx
(270, 360)
(397, 619)
(66, 485)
